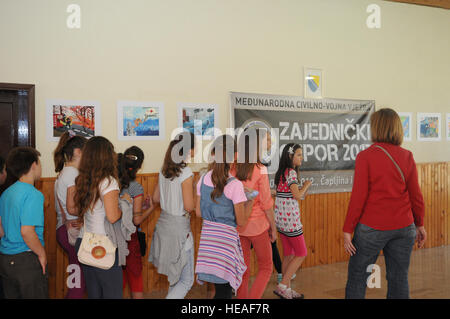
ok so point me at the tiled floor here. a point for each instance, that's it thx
(429, 277)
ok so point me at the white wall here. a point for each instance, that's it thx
(199, 50)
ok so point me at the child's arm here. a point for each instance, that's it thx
(273, 228)
(111, 203)
(70, 203)
(156, 194)
(188, 194)
(298, 193)
(198, 213)
(138, 205)
(2, 233)
(32, 240)
(242, 211)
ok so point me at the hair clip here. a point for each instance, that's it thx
(291, 150)
(132, 157)
(72, 133)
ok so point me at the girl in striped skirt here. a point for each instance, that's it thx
(223, 205)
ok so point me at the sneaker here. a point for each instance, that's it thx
(296, 295)
(279, 278)
(283, 293)
(294, 275)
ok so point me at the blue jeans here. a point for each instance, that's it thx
(397, 246)
(184, 284)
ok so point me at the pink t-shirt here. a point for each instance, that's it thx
(257, 223)
(234, 190)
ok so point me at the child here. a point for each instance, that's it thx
(172, 250)
(129, 164)
(223, 205)
(287, 217)
(260, 229)
(67, 156)
(23, 261)
(96, 203)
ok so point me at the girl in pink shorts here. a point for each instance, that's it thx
(287, 217)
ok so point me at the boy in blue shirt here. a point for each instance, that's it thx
(23, 260)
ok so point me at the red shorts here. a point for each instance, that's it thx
(134, 281)
(293, 245)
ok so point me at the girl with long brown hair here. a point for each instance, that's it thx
(97, 201)
(172, 249)
(260, 229)
(67, 156)
(223, 205)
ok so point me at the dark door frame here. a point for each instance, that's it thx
(29, 88)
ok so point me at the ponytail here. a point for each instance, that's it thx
(129, 164)
(172, 169)
(64, 151)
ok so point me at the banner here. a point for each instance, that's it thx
(331, 132)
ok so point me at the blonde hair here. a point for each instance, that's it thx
(386, 127)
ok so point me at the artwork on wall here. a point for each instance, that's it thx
(198, 118)
(313, 79)
(140, 120)
(81, 117)
(428, 126)
(406, 119)
(448, 126)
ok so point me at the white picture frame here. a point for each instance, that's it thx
(135, 121)
(428, 127)
(206, 121)
(406, 119)
(83, 117)
(313, 83)
(447, 122)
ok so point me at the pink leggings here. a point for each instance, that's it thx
(293, 245)
(263, 251)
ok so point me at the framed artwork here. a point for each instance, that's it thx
(81, 117)
(140, 120)
(448, 126)
(313, 79)
(429, 126)
(198, 118)
(406, 119)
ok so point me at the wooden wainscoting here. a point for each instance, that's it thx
(322, 216)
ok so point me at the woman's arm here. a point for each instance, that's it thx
(360, 192)
(188, 194)
(111, 204)
(70, 203)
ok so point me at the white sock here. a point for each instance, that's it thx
(284, 287)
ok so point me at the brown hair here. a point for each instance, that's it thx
(386, 127)
(129, 164)
(99, 161)
(226, 146)
(64, 151)
(250, 153)
(20, 159)
(170, 168)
